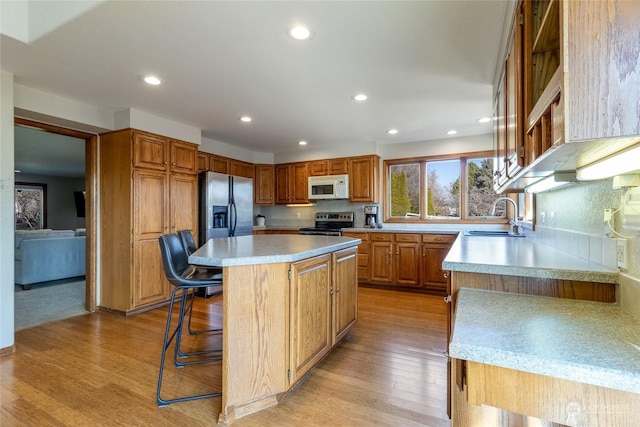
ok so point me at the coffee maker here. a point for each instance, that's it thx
(370, 216)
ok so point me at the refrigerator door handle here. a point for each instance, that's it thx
(234, 221)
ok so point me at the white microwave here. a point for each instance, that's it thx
(329, 187)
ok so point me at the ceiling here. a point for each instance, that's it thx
(426, 66)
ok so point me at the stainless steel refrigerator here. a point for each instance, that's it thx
(226, 206)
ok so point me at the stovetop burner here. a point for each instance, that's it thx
(330, 223)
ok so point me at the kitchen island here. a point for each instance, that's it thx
(287, 301)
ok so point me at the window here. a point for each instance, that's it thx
(30, 206)
(442, 189)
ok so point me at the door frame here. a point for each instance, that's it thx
(91, 191)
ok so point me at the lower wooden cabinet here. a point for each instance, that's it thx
(404, 260)
(323, 307)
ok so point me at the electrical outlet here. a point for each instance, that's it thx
(297, 215)
(543, 218)
(621, 253)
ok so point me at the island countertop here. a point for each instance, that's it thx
(522, 256)
(584, 341)
(266, 249)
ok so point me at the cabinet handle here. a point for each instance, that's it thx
(439, 239)
(447, 299)
(445, 274)
(331, 292)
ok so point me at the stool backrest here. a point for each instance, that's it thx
(174, 258)
(187, 241)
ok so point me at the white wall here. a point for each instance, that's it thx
(6, 211)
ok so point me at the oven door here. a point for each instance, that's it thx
(320, 232)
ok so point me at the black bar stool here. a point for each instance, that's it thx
(186, 278)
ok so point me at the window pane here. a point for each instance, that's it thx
(443, 188)
(405, 189)
(480, 193)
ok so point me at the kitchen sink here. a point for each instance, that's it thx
(504, 233)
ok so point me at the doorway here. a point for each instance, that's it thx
(86, 186)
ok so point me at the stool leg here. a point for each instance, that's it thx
(165, 345)
(186, 303)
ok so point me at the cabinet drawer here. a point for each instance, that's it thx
(407, 238)
(438, 238)
(362, 236)
(381, 237)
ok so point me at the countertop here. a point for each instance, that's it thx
(584, 341)
(266, 249)
(522, 256)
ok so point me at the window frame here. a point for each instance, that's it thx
(424, 218)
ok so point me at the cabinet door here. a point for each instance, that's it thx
(239, 168)
(282, 184)
(363, 255)
(203, 162)
(337, 166)
(183, 205)
(433, 275)
(514, 98)
(318, 168)
(150, 151)
(184, 157)
(150, 221)
(499, 137)
(263, 184)
(407, 264)
(362, 179)
(381, 268)
(218, 164)
(310, 313)
(300, 185)
(345, 292)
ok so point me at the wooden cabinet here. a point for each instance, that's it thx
(219, 164)
(344, 265)
(363, 179)
(310, 301)
(264, 185)
(434, 250)
(328, 167)
(239, 168)
(578, 100)
(291, 183)
(323, 306)
(141, 199)
(363, 254)
(403, 260)
(203, 162)
(382, 258)
(407, 259)
(514, 150)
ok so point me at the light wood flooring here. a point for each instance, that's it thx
(101, 370)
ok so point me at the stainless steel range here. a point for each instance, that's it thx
(330, 224)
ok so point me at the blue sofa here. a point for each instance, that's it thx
(43, 255)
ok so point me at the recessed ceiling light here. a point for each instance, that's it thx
(246, 119)
(152, 80)
(392, 131)
(17, 171)
(452, 132)
(300, 32)
(302, 142)
(484, 120)
(360, 97)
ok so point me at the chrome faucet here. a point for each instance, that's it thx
(514, 227)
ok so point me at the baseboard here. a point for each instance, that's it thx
(7, 350)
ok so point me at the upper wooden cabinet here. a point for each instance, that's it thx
(219, 164)
(141, 199)
(264, 185)
(292, 183)
(239, 168)
(363, 179)
(328, 167)
(581, 83)
(160, 153)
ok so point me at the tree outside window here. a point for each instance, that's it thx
(30, 206)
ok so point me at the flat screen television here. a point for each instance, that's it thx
(80, 203)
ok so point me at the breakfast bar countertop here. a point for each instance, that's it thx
(266, 249)
(522, 256)
(584, 341)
